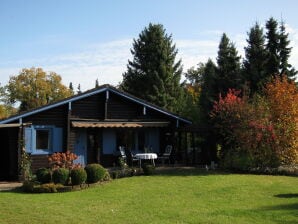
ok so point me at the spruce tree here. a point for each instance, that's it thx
(272, 36)
(228, 64)
(284, 53)
(154, 74)
(209, 92)
(255, 59)
(96, 83)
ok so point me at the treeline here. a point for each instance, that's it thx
(155, 74)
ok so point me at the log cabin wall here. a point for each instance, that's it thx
(121, 108)
(91, 107)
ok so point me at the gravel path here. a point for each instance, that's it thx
(6, 186)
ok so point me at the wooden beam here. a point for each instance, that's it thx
(68, 126)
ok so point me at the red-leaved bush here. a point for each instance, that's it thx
(262, 131)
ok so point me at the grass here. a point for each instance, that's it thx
(179, 196)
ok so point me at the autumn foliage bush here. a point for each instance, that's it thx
(63, 160)
(259, 132)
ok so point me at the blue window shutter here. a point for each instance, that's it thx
(57, 140)
(28, 140)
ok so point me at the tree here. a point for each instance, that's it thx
(71, 88)
(262, 131)
(255, 59)
(228, 66)
(154, 74)
(96, 83)
(282, 96)
(272, 46)
(79, 89)
(34, 87)
(284, 53)
(192, 87)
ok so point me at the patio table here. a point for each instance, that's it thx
(146, 156)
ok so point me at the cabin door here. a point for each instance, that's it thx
(94, 142)
(81, 147)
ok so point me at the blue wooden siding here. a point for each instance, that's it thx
(152, 139)
(55, 138)
(108, 141)
(80, 148)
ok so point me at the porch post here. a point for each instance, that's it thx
(68, 126)
(193, 148)
(20, 145)
(106, 104)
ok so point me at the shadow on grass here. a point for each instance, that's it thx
(286, 195)
(289, 207)
(288, 210)
(186, 171)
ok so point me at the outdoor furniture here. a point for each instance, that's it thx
(122, 152)
(130, 157)
(146, 156)
(166, 155)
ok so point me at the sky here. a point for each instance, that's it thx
(87, 40)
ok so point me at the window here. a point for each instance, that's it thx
(43, 139)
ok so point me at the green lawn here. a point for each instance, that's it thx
(180, 196)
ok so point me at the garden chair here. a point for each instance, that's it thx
(166, 155)
(130, 157)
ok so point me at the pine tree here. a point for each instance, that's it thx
(96, 83)
(153, 74)
(255, 59)
(228, 64)
(284, 53)
(272, 36)
(209, 93)
(79, 89)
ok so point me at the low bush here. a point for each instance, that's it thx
(148, 169)
(43, 175)
(78, 176)
(60, 176)
(47, 188)
(36, 187)
(127, 172)
(28, 186)
(95, 172)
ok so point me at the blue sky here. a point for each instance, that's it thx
(86, 40)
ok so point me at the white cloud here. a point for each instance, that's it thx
(107, 61)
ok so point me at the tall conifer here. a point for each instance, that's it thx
(272, 46)
(154, 74)
(255, 59)
(228, 66)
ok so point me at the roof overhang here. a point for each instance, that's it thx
(118, 124)
(14, 125)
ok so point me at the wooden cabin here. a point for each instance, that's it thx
(92, 124)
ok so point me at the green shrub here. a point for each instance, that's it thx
(60, 176)
(78, 176)
(95, 172)
(115, 174)
(107, 176)
(148, 169)
(47, 188)
(28, 186)
(43, 175)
